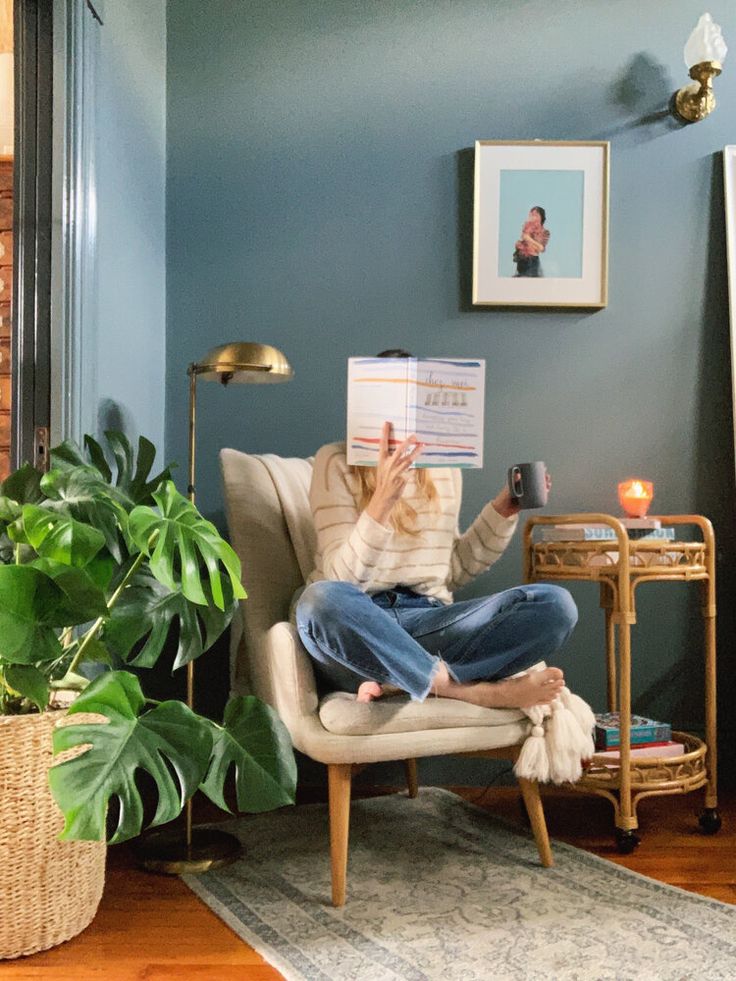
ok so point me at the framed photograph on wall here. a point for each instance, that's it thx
(729, 177)
(541, 224)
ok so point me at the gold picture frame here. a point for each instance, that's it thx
(540, 223)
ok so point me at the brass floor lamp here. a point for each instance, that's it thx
(199, 849)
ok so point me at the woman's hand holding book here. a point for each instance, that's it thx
(392, 474)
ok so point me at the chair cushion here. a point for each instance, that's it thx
(342, 715)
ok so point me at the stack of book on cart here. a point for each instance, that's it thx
(639, 529)
(648, 738)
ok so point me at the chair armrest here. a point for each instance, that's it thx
(292, 682)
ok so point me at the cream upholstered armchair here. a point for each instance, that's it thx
(269, 532)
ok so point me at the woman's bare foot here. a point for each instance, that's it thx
(532, 688)
(370, 690)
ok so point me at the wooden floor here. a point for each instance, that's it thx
(152, 928)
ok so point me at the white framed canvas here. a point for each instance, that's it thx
(729, 177)
(541, 223)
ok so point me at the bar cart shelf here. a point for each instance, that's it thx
(619, 566)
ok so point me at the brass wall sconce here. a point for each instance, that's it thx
(705, 52)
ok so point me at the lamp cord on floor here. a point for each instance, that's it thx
(481, 795)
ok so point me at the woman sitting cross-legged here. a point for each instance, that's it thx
(378, 609)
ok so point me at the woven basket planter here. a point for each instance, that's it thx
(49, 889)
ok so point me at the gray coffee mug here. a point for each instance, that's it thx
(528, 484)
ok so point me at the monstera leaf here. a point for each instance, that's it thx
(254, 741)
(82, 597)
(10, 510)
(23, 486)
(28, 681)
(148, 609)
(82, 493)
(35, 599)
(68, 455)
(101, 561)
(132, 478)
(57, 536)
(31, 605)
(169, 742)
(183, 539)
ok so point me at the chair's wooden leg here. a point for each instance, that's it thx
(533, 802)
(412, 782)
(338, 779)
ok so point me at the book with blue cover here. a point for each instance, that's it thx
(603, 533)
(608, 733)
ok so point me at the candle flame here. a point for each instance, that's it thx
(634, 496)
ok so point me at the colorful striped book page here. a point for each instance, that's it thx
(441, 400)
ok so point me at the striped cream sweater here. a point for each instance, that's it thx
(353, 547)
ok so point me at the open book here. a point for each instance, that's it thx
(438, 399)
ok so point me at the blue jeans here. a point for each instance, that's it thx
(399, 637)
(529, 266)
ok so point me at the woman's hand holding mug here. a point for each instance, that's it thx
(392, 474)
(529, 484)
(508, 504)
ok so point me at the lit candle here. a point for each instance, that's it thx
(635, 496)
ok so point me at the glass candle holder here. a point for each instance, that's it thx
(635, 495)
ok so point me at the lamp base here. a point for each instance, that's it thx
(695, 102)
(167, 851)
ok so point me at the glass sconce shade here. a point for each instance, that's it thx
(704, 53)
(705, 43)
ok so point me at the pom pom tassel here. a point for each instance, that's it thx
(566, 744)
(580, 709)
(561, 737)
(584, 717)
(533, 760)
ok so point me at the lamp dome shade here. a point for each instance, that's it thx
(245, 363)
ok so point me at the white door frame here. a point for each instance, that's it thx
(74, 308)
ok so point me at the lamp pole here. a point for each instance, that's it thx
(204, 848)
(192, 372)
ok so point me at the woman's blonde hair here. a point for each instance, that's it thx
(403, 515)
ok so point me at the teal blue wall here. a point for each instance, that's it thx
(130, 148)
(320, 199)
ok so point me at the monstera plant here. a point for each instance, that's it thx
(104, 570)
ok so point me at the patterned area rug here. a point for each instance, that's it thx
(439, 889)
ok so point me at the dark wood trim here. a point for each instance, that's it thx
(32, 237)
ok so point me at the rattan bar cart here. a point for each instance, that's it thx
(619, 567)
